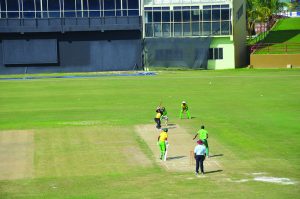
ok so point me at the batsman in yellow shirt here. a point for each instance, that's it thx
(157, 118)
(162, 142)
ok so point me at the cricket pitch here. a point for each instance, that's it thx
(180, 150)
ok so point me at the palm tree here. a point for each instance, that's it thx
(255, 13)
(261, 11)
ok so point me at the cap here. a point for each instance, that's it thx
(183, 102)
(165, 129)
(199, 142)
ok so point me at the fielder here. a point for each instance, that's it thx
(162, 142)
(203, 136)
(185, 109)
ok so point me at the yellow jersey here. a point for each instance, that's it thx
(158, 115)
(163, 136)
(184, 107)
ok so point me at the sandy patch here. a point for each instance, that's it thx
(16, 154)
(179, 152)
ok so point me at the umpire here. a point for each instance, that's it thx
(199, 154)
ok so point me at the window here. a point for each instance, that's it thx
(12, 8)
(216, 30)
(225, 28)
(54, 8)
(69, 8)
(28, 8)
(109, 4)
(185, 21)
(215, 53)
(177, 29)
(225, 14)
(195, 15)
(157, 16)
(240, 12)
(177, 16)
(149, 30)
(186, 29)
(166, 29)
(148, 17)
(216, 15)
(166, 16)
(195, 29)
(206, 28)
(206, 15)
(133, 4)
(94, 8)
(186, 16)
(157, 29)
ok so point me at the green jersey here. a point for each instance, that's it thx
(165, 112)
(202, 133)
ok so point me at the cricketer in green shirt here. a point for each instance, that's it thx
(203, 135)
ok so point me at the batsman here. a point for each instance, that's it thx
(158, 118)
(162, 142)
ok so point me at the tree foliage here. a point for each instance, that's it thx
(259, 11)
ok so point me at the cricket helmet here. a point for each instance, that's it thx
(165, 129)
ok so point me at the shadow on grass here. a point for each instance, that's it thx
(175, 157)
(216, 155)
(215, 171)
(281, 36)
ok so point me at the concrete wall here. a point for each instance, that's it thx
(239, 34)
(274, 60)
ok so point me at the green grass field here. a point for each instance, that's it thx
(285, 31)
(84, 137)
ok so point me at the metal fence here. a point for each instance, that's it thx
(276, 48)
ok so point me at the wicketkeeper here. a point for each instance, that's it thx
(164, 115)
(185, 109)
(162, 142)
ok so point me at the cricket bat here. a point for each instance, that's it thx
(166, 153)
